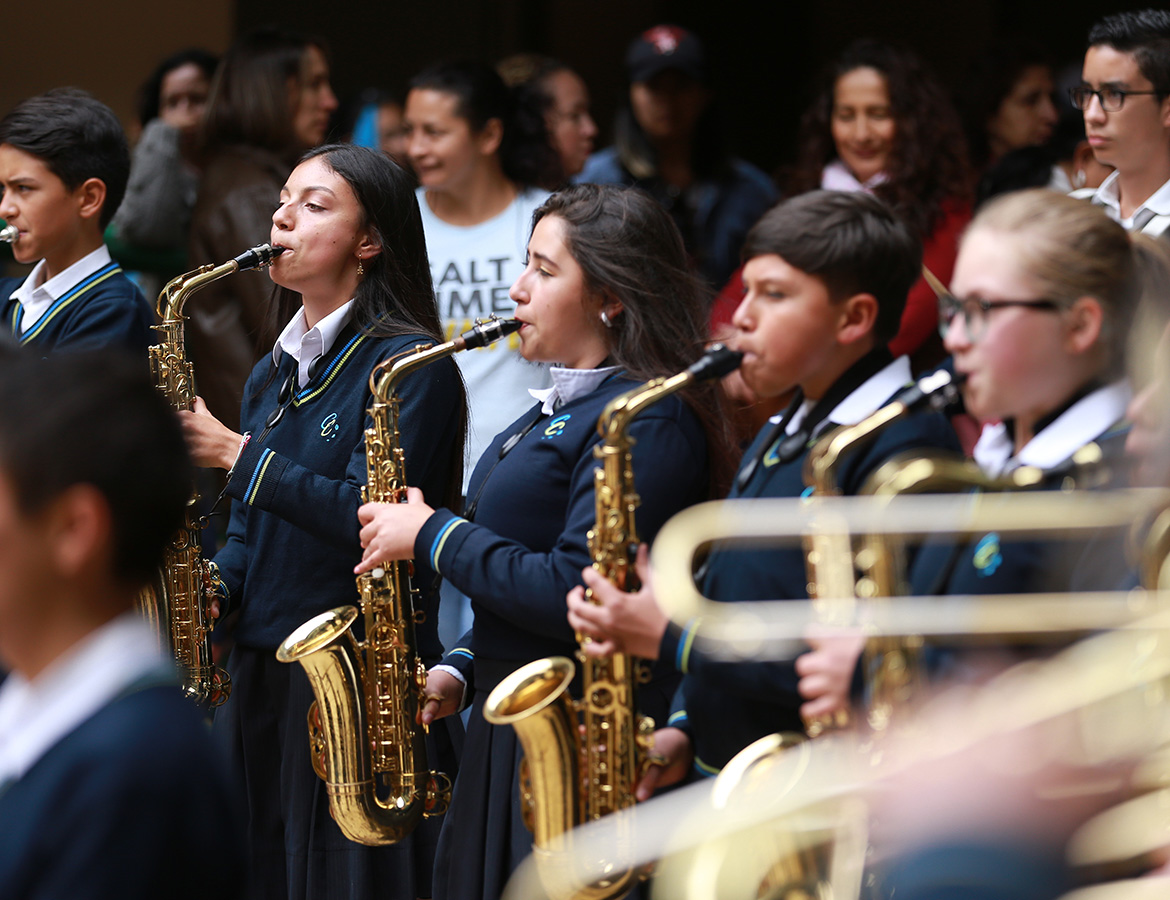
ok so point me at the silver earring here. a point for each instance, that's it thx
(605, 320)
(1079, 178)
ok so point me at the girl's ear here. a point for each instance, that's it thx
(1086, 321)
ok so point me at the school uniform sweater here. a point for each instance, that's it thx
(103, 310)
(133, 803)
(293, 536)
(724, 706)
(527, 545)
(994, 564)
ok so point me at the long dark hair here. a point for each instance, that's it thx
(396, 295)
(928, 163)
(629, 249)
(525, 154)
(249, 102)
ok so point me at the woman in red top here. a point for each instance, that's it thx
(881, 124)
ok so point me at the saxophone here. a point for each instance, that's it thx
(583, 759)
(177, 603)
(366, 744)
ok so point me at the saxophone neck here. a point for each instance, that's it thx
(615, 418)
(939, 390)
(174, 295)
(386, 375)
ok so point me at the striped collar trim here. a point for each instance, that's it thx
(312, 391)
(62, 302)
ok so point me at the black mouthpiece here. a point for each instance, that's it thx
(715, 363)
(258, 257)
(488, 330)
(939, 390)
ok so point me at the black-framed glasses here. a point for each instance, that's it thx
(1111, 98)
(977, 310)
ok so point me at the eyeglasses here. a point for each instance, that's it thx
(976, 312)
(1112, 99)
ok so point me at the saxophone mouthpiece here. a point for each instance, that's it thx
(9, 234)
(715, 363)
(259, 257)
(939, 390)
(487, 331)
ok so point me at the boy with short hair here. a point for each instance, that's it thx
(826, 279)
(1125, 97)
(64, 164)
(110, 785)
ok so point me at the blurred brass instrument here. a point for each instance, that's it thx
(366, 743)
(583, 772)
(739, 836)
(177, 603)
(828, 556)
(9, 234)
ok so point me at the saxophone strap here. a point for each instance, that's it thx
(780, 447)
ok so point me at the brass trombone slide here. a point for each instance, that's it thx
(771, 629)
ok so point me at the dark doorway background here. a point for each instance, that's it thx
(764, 55)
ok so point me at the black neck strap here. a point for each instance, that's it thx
(790, 446)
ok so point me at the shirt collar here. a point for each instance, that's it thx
(569, 384)
(863, 401)
(836, 177)
(1108, 195)
(36, 715)
(304, 344)
(1084, 421)
(35, 298)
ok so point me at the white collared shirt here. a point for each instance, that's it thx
(866, 399)
(36, 298)
(305, 344)
(1084, 421)
(569, 384)
(36, 715)
(1151, 217)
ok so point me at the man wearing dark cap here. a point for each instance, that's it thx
(668, 141)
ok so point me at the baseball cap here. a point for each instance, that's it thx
(666, 47)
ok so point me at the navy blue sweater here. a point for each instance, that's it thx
(527, 546)
(134, 803)
(989, 564)
(727, 705)
(293, 535)
(104, 310)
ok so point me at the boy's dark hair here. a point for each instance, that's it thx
(77, 136)
(852, 241)
(1144, 33)
(95, 418)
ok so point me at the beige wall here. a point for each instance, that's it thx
(107, 47)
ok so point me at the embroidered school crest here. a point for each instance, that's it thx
(988, 555)
(555, 427)
(329, 427)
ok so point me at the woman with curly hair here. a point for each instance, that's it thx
(881, 123)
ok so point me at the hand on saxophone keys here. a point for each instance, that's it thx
(389, 529)
(442, 696)
(826, 674)
(670, 759)
(618, 621)
(211, 443)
